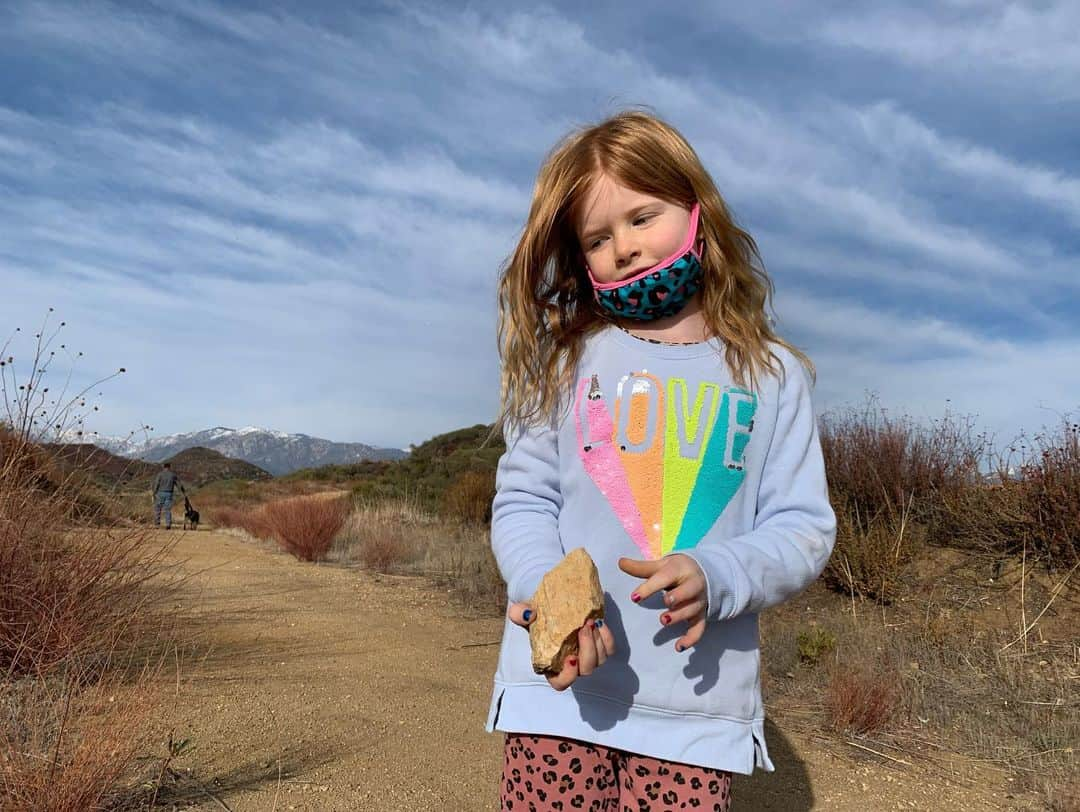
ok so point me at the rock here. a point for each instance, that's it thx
(568, 596)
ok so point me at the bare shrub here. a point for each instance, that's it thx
(306, 525)
(1053, 485)
(887, 480)
(861, 697)
(385, 552)
(252, 520)
(1035, 509)
(68, 593)
(83, 602)
(469, 497)
(66, 746)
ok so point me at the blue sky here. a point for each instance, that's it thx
(293, 215)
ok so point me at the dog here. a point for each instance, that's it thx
(191, 516)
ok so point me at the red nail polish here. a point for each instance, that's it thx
(665, 618)
(572, 661)
(635, 597)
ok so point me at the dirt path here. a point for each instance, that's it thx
(324, 688)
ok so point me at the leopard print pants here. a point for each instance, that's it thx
(542, 773)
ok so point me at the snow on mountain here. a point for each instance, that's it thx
(275, 451)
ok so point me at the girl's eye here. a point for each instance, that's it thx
(594, 244)
(643, 218)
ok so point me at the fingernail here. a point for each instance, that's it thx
(678, 647)
(592, 623)
(572, 661)
(599, 624)
(527, 614)
(635, 597)
(665, 618)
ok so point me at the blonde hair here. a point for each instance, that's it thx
(546, 303)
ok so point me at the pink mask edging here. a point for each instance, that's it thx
(687, 245)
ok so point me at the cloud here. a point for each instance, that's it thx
(1035, 44)
(311, 207)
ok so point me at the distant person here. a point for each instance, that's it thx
(164, 484)
(654, 418)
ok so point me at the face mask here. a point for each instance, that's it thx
(656, 292)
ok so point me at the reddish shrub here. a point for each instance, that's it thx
(306, 525)
(67, 592)
(861, 699)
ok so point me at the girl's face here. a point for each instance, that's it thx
(622, 232)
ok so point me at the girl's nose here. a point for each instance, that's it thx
(626, 250)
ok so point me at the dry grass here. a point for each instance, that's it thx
(66, 746)
(398, 536)
(388, 536)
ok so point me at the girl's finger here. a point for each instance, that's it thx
(684, 611)
(690, 589)
(693, 634)
(521, 613)
(663, 578)
(607, 637)
(601, 648)
(639, 568)
(586, 650)
(565, 678)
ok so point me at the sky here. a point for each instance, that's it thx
(294, 215)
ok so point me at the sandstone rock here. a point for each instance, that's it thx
(568, 596)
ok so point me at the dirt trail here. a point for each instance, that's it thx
(327, 688)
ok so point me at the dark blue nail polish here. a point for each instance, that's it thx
(599, 624)
(527, 614)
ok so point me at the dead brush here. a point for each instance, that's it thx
(306, 526)
(252, 520)
(861, 697)
(68, 592)
(69, 746)
(887, 478)
(387, 535)
(469, 497)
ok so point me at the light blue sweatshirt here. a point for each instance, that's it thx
(658, 451)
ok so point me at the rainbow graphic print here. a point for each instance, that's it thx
(668, 464)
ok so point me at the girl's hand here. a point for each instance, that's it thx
(685, 600)
(595, 645)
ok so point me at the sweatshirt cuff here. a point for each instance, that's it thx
(525, 584)
(721, 586)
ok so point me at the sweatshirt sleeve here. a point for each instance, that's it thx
(794, 527)
(525, 511)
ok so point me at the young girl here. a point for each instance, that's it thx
(652, 417)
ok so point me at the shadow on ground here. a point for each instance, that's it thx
(787, 789)
(181, 788)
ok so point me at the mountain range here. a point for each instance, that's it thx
(273, 451)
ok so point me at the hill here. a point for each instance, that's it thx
(425, 475)
(195, 466)
(198, 466)
(103, 466)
